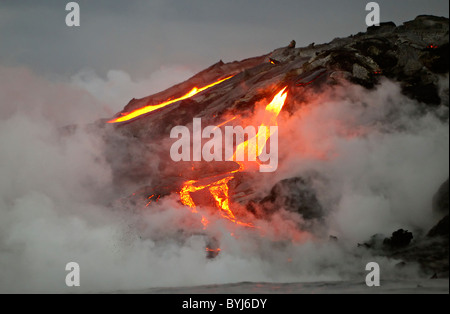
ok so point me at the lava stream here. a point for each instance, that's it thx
(219, 189)
(139, 112)
(273, 109)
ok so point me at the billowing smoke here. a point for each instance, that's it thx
(118, 87)
(382, 155)
(380, 160)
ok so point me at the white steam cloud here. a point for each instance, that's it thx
(118, 87)
(382, 162)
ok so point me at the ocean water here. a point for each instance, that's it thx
(435, 286)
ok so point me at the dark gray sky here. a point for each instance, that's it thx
(139, 36)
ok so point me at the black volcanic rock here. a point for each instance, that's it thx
(414, 54)
(383, 27)
(440, 199)
(400, 239)
(430, 253)
(440, 207)
(441, 229)
(294, 194)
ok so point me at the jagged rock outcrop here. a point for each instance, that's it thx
(294, 194)
(415, 54)
(399, 239)
(441, 229)
(431, 252)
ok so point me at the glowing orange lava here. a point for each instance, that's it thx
(273, 109)
(219, 189)
(277, 103)
(226, 122)
(147, 109)
(213, 250)
(205, 222)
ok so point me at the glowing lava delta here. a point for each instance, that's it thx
(219, 188)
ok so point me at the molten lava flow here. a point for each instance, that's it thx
(205, 222)
(223, 123)
(212, 253)
(212, 250)
(185, 195)
(147, 109)
(220, 193)
(219, 188)
(277, 103)
(273, 109)
(152, 198)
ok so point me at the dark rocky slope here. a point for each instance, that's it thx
(415, 54)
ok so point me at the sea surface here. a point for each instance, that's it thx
(436, 286)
